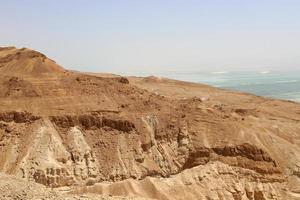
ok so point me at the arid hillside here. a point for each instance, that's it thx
(155, 138)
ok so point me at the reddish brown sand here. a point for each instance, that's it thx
(103, 134)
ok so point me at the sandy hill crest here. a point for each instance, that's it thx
(26, 62)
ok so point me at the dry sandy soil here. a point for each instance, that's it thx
(72, 135)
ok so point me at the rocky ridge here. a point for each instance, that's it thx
(141, 137)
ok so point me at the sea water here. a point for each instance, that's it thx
(282, 85)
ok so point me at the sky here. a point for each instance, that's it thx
(157, 35)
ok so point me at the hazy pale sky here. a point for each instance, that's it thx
(126, 35)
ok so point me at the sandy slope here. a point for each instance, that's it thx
(18, 189)
(147, 137)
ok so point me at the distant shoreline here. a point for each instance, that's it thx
(279, 85)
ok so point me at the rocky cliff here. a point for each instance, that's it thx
(145, 137)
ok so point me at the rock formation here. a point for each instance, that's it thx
(142, 137)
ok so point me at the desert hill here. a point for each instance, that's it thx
(26, 62)
(143, 137)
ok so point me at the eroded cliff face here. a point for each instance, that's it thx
(86, 150)
(214, 180)
(138, 136)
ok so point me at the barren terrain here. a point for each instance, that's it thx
(72, 135)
